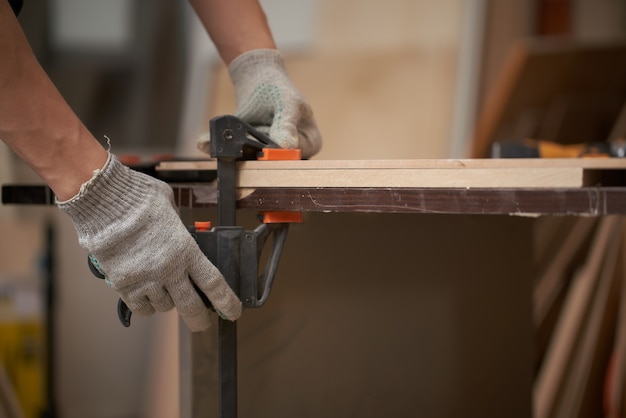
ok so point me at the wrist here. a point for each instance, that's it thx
(63, 156)
(231, 53)
(250, 61)
(71, 172)
(234, 26)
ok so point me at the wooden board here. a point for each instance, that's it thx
(583, 387)
(575, 331)
(554, 277)
(434, 173)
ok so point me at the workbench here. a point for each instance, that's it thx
(378, 312)
(591, 187)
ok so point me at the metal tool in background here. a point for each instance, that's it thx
(533, 148)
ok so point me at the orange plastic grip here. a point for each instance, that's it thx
(280, 154)
(278, 217)
(202, 225)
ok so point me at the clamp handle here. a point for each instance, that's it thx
(240, 253)
(256, 285)
(123, 312)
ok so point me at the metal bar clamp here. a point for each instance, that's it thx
(235, 251)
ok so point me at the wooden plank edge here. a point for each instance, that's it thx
(485, 163)
(425, 178)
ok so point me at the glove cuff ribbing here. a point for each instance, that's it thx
(112, 194)
(241, 65)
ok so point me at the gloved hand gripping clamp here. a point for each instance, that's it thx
(236, 252)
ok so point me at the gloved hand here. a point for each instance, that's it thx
(268, 100)
(128, 222)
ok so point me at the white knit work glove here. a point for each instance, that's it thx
(268, 100)
(128, 221)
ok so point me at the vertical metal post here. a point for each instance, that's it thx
(227, 352)
(227, 330)
(230, 142)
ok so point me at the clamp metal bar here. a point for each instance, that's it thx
(231, 140)
(227, 364)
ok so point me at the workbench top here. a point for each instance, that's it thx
(525, 187)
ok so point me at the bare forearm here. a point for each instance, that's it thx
(235, 26)
(36, 122)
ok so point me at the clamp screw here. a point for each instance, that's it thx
(228, 134)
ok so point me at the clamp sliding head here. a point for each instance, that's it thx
(232, 138)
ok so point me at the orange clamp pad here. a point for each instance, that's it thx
(279, 217)
(280, 154)
(202, 225)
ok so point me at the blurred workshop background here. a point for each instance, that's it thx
(386, 79)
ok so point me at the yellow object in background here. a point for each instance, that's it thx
(22, 354)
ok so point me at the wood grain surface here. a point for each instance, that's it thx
(429, 173)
